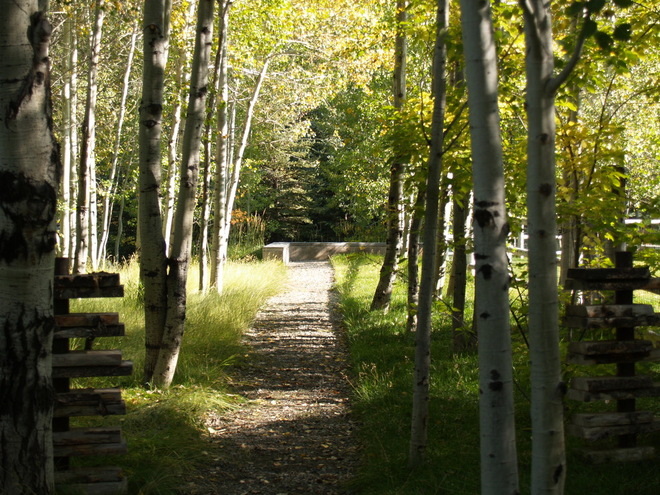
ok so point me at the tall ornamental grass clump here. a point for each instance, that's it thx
(165, 429)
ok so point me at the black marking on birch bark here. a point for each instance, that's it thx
(485, 315)
(494, 375)
(545, 189)
(38, 33)
(562, 388)
(31, 207)
(483, 217)
(556, 476)
(496, 386)
(544, 138)
(201, 92)
(486, 270)
(481, 257)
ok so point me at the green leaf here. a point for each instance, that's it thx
(575, 9)
(623, 32)
(590, 27)
(604, 40)
(595, 6)
(623, 3)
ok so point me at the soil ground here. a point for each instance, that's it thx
(295, 435)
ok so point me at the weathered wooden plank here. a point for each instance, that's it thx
(90, 449)
(81, 436)
(624, 284)
(86, 319)
(610, 358)
(653, 286)
(610, 383)
(98, 409)
(634, 454)
(614, 322)
(90, 332)
(609, 310)
(93, 481)
(87, 358)
(99, 279)
(89, 402)
(597, 347)
(609, 273)
(88, 292)
(123, 369)
(89, 475)
(600, 432)
(591, 420)
(585, 396)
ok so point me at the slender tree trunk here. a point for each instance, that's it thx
(113, 179)
(413, 256)
(421, 376)
(222, 157)
(383, 293)
(499, 470)
(88, 144)
(72, 70)
(441, 241)
(236, 171)
(29, 176)
(153, 267)
(186, 201)
(173, 157)
(67, 129)
(461, 338)
(548, 450)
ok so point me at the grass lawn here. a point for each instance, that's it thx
(382, 363)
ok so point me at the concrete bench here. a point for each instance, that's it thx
(318, 251)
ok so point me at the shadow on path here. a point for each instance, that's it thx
(295, 434)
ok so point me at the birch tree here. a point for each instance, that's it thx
(219, 232)
(153, 267)
(421, 378)
(548, 450)
(499, 470)
(87, 145)
(180, 254)
(29, 176)
(388, 271)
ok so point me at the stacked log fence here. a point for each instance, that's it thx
(71, 402)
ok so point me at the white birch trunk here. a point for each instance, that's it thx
(153, 268)
(499, 470)
(67, 128)
(29, 177)
(394, 242)
(186, 200)
(548, 451)
(238, 162)
(218, 241)
(88, 144)
(421, 376)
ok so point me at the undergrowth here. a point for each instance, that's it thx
(382, 354)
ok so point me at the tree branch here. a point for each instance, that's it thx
(554, 83)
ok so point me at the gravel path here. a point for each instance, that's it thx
(295, 436)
